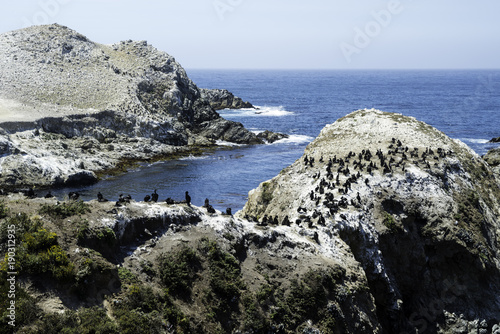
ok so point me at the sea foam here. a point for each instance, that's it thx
(269, 111)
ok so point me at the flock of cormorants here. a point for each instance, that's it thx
(125, 199)
(348, 168)
(341, 173)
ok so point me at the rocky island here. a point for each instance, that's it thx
(71, 109)
(384, 225)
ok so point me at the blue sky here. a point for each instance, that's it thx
(286, 34)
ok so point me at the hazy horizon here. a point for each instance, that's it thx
(286, 34)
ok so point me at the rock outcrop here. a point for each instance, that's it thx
(418, 211)
(271, 137)
(127, 100)
(493, 157)
(384, 225)
(224, 99)
(495, 140)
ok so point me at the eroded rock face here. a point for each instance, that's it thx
(223, 99)
(405, 239)
(56, 81)
(418, 210)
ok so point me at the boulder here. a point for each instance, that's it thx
(271, 137)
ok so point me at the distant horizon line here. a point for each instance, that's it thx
(339, 69)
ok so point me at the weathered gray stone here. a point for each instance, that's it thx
(271, 137)
(493, 157)
(223, 99)
(404, 220)
(57, 82)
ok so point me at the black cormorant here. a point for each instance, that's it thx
(154, 196)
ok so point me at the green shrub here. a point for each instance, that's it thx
(267, 193)
(390, 223)
(55, 323)
(137, 322)
(4, 210)
(178, 270)
(65, 209)
(225, 285)
(98, 235)
(143, 298)
(126, 276)
(225, 271)
(95, 320)
(91, 320)
(21, 222)
(38, 251)
(144, 311)
(26, 309)
(307, 299)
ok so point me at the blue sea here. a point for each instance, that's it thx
(464, 104)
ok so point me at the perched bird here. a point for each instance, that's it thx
(316, 237)
(147, 198)
(100, 197)
(121, 200)
(286, 221)
(154, 196)
(188, 198)
(210, 209)
(301, 210)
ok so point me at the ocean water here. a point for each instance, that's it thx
(462, 104)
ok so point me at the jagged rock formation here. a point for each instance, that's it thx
(495, 140)
(418, 211)
(99, 103)
(223, 99)
(271, 137)
(385, 225)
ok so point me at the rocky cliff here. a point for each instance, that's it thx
(65, 99)
(384, 225)
(418, 211)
